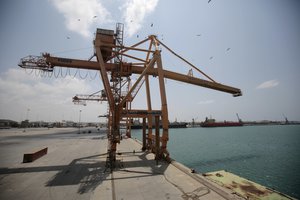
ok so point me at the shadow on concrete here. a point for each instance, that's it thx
(140, 166)
(6, 171)
(87, 172)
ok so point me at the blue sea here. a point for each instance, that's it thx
(268, 155)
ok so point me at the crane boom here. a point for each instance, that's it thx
(129, 69)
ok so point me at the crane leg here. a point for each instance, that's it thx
(164, 107)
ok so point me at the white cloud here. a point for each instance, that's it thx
(79, 14)
(268, 84)
(135, 12)
(206, 102)
(48, 99)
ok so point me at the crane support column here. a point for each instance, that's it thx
(164, 109)
(149, 138)
(149, 106)
(144, 147)
(157, 140)
(114, 134)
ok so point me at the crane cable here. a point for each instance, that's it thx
(51, 74)
(26, 69)
(56, 75)
(94, 77)
(61, 73)
(193, 66)
(81, 76)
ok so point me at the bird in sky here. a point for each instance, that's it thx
(211, 57)
(209, 1)
(151, 24)
(78, 19)
(227, 49)
(198, 35)
(68, 37)
(95, 16)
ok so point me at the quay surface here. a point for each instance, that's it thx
(74, 168)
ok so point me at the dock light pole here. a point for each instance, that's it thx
(79, 120)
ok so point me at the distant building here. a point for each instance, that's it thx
(65, 123)
(6, 123)
(38, 124)
(25, 124)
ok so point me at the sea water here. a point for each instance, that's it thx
(268, 155)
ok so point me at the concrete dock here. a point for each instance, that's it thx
(74, 168)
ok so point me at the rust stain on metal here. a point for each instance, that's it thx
(243, 187)
(250, 189)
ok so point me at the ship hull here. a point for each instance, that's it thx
(172, 125)
(221, 124)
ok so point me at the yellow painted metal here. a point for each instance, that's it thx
(92, 65)
(139, 79)
(164, 108)
(149, 105)
(103, 72)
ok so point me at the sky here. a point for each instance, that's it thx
(252, 45)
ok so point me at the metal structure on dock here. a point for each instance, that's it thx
(81, 99)
(120, 91)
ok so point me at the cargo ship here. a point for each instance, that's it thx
(212, 123)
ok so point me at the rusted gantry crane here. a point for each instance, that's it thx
(80, 99)
(120, 92)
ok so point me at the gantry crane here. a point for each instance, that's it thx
(120, 92)
(80, 99)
